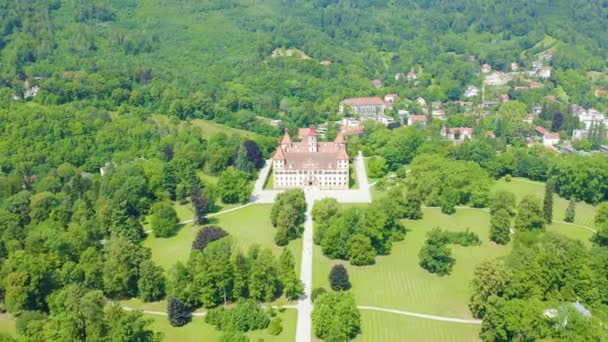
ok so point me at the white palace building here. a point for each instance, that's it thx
(311, 163)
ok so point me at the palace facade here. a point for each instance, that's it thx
(310, 163)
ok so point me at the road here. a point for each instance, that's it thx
(304, 324)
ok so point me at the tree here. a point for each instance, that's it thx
(413, 206)
(121, 267)
(177, 312)
(490, 279)
(503, 200)
(448, 200)
(129, 326)
(571, 210)
(436, 258)
(200, 205)
(500, 227)
(548, 202)
(516, 319)
(169, 180)
(292, 286)
(287, 225)
(294, 198)
(335, 317)
(360, 250)
(233, 186)
(41, 205)
(338, 278)
(207, 235)
(529, 214)
(601, 223)
(151, 282)
(376, 167)
(163, 219)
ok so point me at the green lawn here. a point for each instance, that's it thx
(585, 213)
(387, 327)
(249, 225)
(397, 281)
(7, 324)
(198, 330)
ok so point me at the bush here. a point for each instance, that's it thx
(466, 238)
(508, 178)
(207, 235)
(338, 278)
(177, 312)
(233, 336)
(25, 318)
(275, 327)
(245, 316)
(316, 292)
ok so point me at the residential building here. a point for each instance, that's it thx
(392, 98)
(364, 106)
(548, 138)
(385, 120)
(471, 91)
(350, 126)
(325, 62)
(310, 163)
(419, 120)
(399, 76)
(412, 76)
(486, 68)
(456, 133)
(378, 83)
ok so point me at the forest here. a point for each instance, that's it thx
(99, 102)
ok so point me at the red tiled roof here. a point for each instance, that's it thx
(342, 155)
(279, 155)
(307, 132)
(364, 101)
(286, 138)
(340, 139)
(418, 118)
(541, 130)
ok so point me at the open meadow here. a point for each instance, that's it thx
(248, 226)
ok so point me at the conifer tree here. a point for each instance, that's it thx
(571, 210)
(500, 225)
(338, 278)
(548, 202)
(178, 313)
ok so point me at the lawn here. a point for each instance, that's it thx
(249, 225)
(585, 213)
(397, 281)
(198, 330)
(387, 327)
(7, 324)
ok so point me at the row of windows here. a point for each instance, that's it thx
(317, 172)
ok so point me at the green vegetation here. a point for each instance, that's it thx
(374, 328)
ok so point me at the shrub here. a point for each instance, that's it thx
(316, 292)
(275, 327)
(508, 178)
(436, 259)
(233, 336)
(163, 219)
(206, 236)
(338, 278)
(245, 316)
(360, 250)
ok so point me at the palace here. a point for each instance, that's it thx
(310, 163)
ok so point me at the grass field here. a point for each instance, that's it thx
(7, 324)
(249, 225)
(585, 213)
(198, 330)
(386, 327)
(397, 281)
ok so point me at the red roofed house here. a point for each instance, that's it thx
(549, 139)
(325, 62)
(416, 120)
(364, 106)
(378, 83)
(504, 97)
(457, 133)
(310, 163)
(391, 98)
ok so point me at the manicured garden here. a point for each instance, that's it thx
(249, 225)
